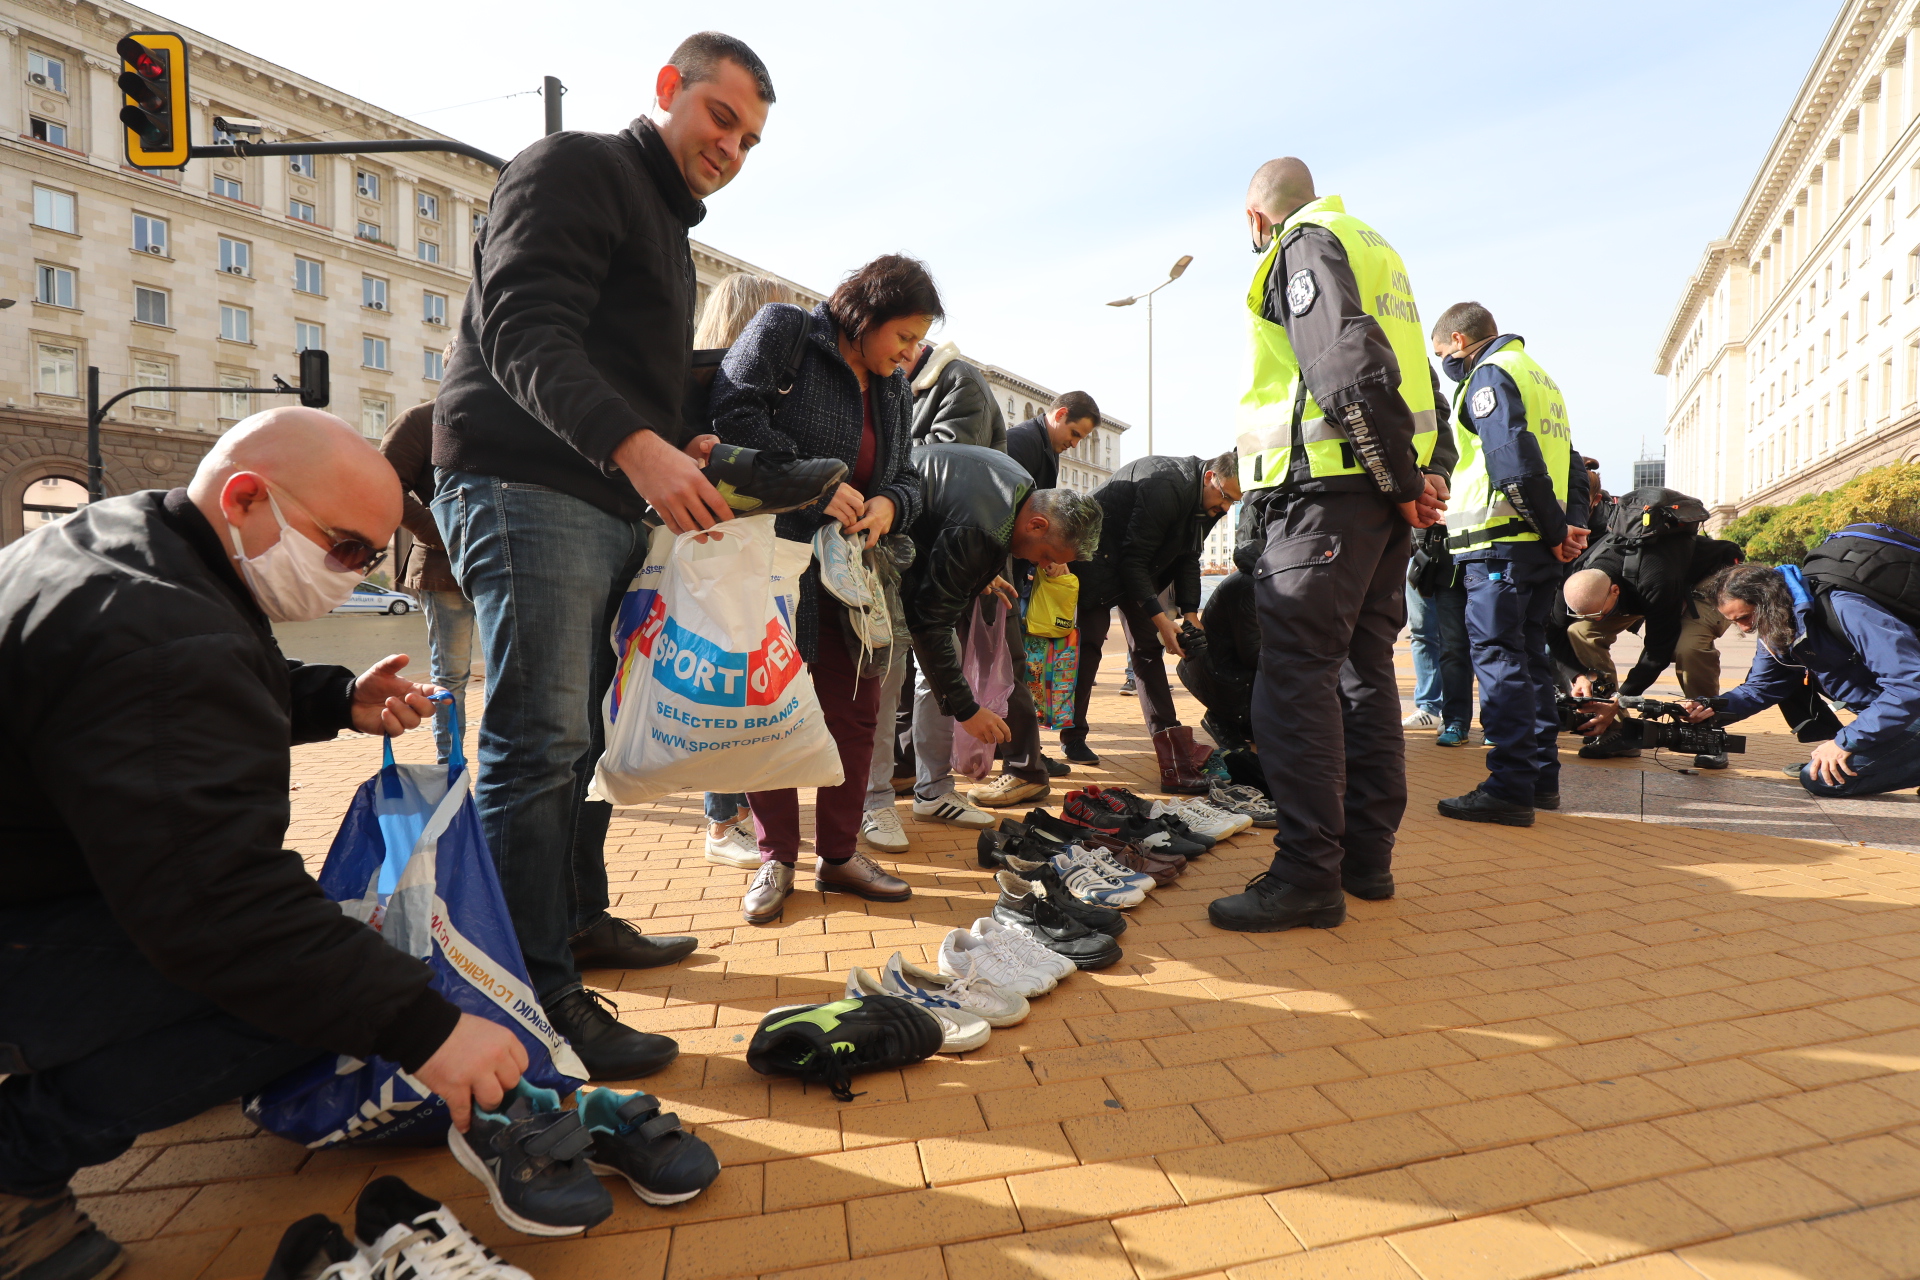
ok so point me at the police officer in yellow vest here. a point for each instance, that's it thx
(1335, 430)
(1519, 515)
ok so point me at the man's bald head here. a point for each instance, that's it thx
(1279, 187)
(336, 477)
(1589, 591)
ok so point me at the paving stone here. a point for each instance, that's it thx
(995, 1154)
(1611, 1225)
(1504, 1246)
(1206, 1237)
(914, 1264)
(842, 1175)
(1087, 1252)
(1759, 1193)
(1629, 1153)
(1784, 1253)
(1117, 1135)
(1092, 1191)
(795, 1237)
(1869, 1170)
(1490, 1181)
(937, 1215)
(1239, 1168)
(1361, 1260)
(1889, 1235)
(1352, 1208)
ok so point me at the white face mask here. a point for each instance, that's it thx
(291, 579)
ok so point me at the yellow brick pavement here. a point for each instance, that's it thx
(1616, 1046)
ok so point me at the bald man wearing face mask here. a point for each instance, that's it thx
(161, 952)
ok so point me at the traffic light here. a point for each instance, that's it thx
(153, 77)
(314, 377)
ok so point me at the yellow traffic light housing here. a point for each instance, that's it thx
(153, 78)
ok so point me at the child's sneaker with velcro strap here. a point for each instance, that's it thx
(531, 1157)
(632, 1139)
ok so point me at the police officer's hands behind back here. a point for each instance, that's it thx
(1569, 551)
(1426, 510)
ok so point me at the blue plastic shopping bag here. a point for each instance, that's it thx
(410, 861)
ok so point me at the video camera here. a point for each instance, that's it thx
(1665, 724)
(1574, 711)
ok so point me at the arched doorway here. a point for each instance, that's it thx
(49, 499)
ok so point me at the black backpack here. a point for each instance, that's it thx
(695, 419)
(1654, 512)
(1879, 561)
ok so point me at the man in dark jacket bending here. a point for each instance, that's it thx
(558, 425)
(1157, 513)
(978, 505)
(160, 950)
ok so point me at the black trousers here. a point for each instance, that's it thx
(1225, 690)
(1331, 593)
(1143, 647)
(103, 1049)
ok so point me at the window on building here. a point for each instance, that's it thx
(302, 211)
(368, 231)
(1886, 297)
(428, 251)
(373, 292)
(45, 72)
(433, 308)
(1866, 241)
(309, 276)
(1840, 418)
(53, 209)
(373, 352)
(1796, 315)
(1826, 348)
(301, 165)
(152, 373)
(53, 285)
(1843, 333)
(1886, 385)
(236, 257)
(426, 205)
(1913, 371)
(235, 405)
(150, 235)
(49, 131)
(58, 369)
(1846, 260)
(435, 365)
(367, 185)
(373, 417)
(1826, 284)
(1795, 384)
(1865, 390)
(1826, 421)
(1887, 214)
(308, 336)
(236, 323)
(150, 306)
(478, 222)
(231, 188)
(1866, 306)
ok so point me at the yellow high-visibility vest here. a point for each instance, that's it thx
(1479, 514)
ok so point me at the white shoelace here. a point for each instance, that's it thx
(1084, 882)
(983, 962)
(1102, 864)
(453, 1255)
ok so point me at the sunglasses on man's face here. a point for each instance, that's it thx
(346, 552)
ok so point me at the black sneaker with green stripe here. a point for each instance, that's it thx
(830, 1043)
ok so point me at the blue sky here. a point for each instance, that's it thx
(1563, 164)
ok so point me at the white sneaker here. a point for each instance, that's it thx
(1087, 882)
(1211, 820)
(965, 955)
(1420, 720)
(1024, 945)
(737, 848)
(1110, 867)
(881, 828)
(435, 1246)
(1000, 1006)
(954, 809)
(959, 1029)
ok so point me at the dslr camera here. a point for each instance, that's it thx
(1665, 724)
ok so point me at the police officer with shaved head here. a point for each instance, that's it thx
(1336, 432)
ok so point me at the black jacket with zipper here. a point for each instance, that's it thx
(1154, 526)
(578, 327)
(145, 719)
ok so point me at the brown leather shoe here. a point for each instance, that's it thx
(860, 876)
(1174, 749)
(1165, 868)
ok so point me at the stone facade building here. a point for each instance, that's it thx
(1793, 360)
(1086, 466)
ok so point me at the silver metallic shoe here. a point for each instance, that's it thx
(767, 895)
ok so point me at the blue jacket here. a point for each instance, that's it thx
(1514, 455)
(1874, 669)
(821, 417)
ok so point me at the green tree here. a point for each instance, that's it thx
(1784, 534)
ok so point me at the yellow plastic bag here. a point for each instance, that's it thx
(1055, 601)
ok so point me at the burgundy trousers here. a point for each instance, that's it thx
(850, 707)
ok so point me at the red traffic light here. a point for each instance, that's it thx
(140, 58)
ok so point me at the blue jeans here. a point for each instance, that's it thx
(450, 639)
(725, 806)
(1508, 605)
(1425, 642)
(545, 572)
(103, 1049)
(1892, 767)
(1449, 610)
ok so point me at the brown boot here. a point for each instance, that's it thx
(860, 876)
(1174, 747)
(48, 1235)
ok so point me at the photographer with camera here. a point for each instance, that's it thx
(1864, 655)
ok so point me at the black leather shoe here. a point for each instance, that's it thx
(1478, 806)
(1611, 745)
(1377, 887)
(610, 1049)
(767, 482)
(1017, 896)
(1055, 768)
(1710, 762)
(1546, 799)
(1269, 904)
(1077, 750)
(612, 943)
(1060, 933)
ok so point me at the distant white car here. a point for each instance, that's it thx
(368, 598)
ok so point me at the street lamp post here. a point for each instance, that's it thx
(1179, 268)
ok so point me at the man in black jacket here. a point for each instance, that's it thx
(1037, 443)
(978, 505)
(160, 950)
(1223, 657)
(558, 425)
(1157, 513)
(952, 403)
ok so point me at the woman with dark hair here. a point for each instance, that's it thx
(849, 401)
(1857, 652)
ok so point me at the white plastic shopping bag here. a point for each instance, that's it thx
(711, 693)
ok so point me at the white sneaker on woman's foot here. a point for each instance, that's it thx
(734, 849)
(881, 828)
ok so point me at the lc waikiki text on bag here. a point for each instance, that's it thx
(410, 861)
(711, 693)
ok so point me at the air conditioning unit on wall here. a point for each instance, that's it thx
(377, 306)
(437, 320)
(38, 79)
(157, 250)
(235, 270)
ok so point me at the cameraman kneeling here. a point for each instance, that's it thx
(1862, 656)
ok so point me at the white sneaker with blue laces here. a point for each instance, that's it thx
(959, 1029)
(1000, 1006)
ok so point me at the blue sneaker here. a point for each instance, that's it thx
(1453, 735)
(662, 1162)
(531, 1157)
